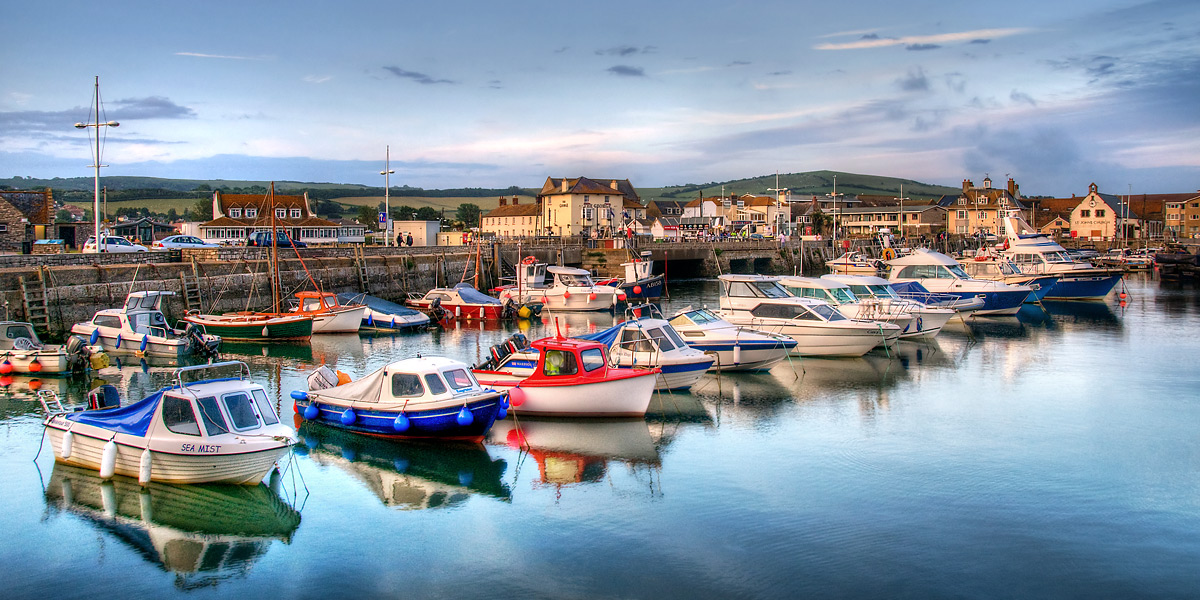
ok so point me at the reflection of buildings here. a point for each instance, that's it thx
(570, 452)
(409, 475)
(202, 533)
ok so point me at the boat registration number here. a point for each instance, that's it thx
(200, 448)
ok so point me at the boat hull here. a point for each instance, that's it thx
(439, 421)
(340, 321)
(752, 356)
(651, 288)
(578, 299)
(49, 361)
(114, 342)
(250, 328)
(628, 396)
(815, 340)
(1087, 287)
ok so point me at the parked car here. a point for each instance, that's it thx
(263, 238)
(182, 241)
(112, 243)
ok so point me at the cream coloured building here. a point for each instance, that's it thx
(511, 220)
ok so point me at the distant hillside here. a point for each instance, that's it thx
(809, 183)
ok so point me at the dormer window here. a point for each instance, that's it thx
(235, 213)
(281, 213)
(962, 201)
(295, 213)
(251, 213)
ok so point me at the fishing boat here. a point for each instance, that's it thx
(941, 274)
(1037, 254)
(140, 328)
(929, 319)
(640, 282)
(650, 341)
(735, 348)
(759, 302)
(570, 289)
(463, 301)
(854, 262)
(428, 397)
(208, 431)
(328, 314)
(384, 315)
(567, 377)
(22, 352)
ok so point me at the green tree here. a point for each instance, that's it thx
(62, 215)
(469, 214)
(202, 210)
(428, 213)
(369, 216)
(405, 213)
(821, 222)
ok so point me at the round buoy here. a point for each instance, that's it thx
(311, 412)
(465, 417)
(1122, 295)
(35, 384)
(95, 336)
(637, 289)
(35, 366)
(401, 423)
(1122, 304)
(591, 296)
(514, 438)
(348, 416)
(6, 367)
(622, 297)
(516, 396)
(5, 380)
(567, 294)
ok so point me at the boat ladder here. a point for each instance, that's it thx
(33, 296)
(360, 263)
(191, 289)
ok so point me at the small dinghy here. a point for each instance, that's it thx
(422, 397)
(209, 431)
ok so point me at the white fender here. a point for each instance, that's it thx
(144, 467)
(68, 444)
(265, 332)
(108, 461)
(457, 311)
(737, 354)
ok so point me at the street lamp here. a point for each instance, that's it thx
(387, 184)
(101, 246)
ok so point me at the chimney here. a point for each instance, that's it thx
(613, 184)
(503, 201)
(967, 184)
(515, 200)
(564, 185)
(1012, 186)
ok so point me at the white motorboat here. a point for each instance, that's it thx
(22, 352)
(328, 314)
(759, 302)
(839, 296)
(649, 341)
(941, 274)
(1037, 254)
(570, 289)
(140, 328)
(735, 348)
(209, 431)
(929, 319)
(854, 262)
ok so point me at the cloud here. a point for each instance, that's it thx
(151, 107)
(956, 81)
(625, 50)
(221, 56)
(980, 41)
(919, 47)
(130, 109)
(941, 38)
(863, 32)
(627, 71)
(779, 73)
(495, 84)
(915, 81)
(1016, 96)
(316, 78)
(420, 78)
(738, 63)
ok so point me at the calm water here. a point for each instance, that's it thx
(1051, 455)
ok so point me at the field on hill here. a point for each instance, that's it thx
(350, 203)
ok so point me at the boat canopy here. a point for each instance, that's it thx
(407, 380)
(133, 419)
(471, 295)
(377, 304)
(909, 287)
(145, 300)
(924, 256)
(567, 271)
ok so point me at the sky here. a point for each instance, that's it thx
(1056, 95)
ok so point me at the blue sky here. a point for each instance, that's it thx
(475, 94)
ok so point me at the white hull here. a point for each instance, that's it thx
(626, 397)
(131, 343)
(389, 321)
(340, 321)
(555, 299)
(52, 361)
(853, 338)
(168, 464)
(751, 360)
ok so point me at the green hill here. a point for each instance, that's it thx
(799, 184)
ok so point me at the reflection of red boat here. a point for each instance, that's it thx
(560, 376)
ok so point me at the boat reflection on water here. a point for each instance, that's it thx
(1092, 314)
(409, 475)
(248, 351)
(571, 452)
(204, 534)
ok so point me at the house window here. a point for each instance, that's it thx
(1099, 213)
(251, 213)
(235, 213)
(587, 213)
(962, 201)
(295, 213)
(281, 213)
(983, 214)
(962, 214)
(1085, 213)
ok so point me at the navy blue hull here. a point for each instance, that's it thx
(997, 302)
(423, 424)
(1083, 288)
(652, 288)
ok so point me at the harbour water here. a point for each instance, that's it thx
(1051, 455)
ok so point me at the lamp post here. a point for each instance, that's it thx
(101, 242)
(387, 185)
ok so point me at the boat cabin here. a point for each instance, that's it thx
(18, 336)
(641, 268)
(141, 314)
(426, 378)
(570, 277)
(833, 292)
(693, 321)
(531, 274)
(316, 301)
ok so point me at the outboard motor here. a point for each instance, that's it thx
(105, 396)
(436, 311)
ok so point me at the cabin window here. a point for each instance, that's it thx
(660, 338)
(435, 383)
(459, 379)
(17, 331)
(739, 289)
(265, 410)
(674, 335)
(593, 358)
(782, 311)
(634, 341)
(240, 411)
(178, 416)
(107, 321)
(559, 362)
(406, 385)
(214, 421)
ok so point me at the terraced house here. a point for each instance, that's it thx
(511, 220)
(581, 205)
(978, 210)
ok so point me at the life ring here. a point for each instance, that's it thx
(889, 254)
(529, 260)
(980, 257)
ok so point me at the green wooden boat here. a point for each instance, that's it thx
(255, 326)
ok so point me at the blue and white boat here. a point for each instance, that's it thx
(1036, 254)
(735, 348)
(987, 265)
(383, 315)
(652, 342)
(941, 274)
(422, 397)
(927, 320)
(640, 282)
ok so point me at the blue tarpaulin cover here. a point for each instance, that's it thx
(133, 419)
(378, 304)
(607, 337)
(909, 287)
(468, 292)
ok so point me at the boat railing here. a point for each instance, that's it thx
(181, 372)
(648, 310)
